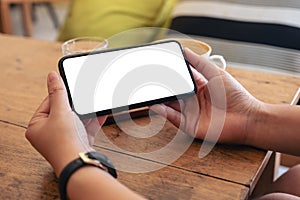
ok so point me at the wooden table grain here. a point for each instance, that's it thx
(228, 172)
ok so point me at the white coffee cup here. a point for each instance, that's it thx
(202, 49)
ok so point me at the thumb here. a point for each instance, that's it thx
(58, 97)
(202, 65)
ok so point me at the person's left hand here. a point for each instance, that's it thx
(56, 131)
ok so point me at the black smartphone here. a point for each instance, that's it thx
(115, 80)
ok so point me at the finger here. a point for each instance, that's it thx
(192, 113)
(102, 119)
(199, 79)
(202, 65)
(57, 94)
(172, 115)
(42, 111)
(176, 105)
(159, 109)
(44, 107)
(87, 121)
(92, 128)
(93, 125)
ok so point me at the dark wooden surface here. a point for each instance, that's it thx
(228, 172)
(26, 175)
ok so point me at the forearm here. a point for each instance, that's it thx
(275, 127)
(93, 183)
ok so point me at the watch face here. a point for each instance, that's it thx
(104, 161)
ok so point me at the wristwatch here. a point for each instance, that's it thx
(90, 158)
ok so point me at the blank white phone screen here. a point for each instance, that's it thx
(114, 79)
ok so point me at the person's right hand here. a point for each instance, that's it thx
(236, 102)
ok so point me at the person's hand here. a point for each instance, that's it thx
(56, 131)
(236, 104)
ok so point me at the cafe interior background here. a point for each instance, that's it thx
(252, 27)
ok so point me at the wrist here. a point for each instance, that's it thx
(256, 123)
(63, 159)
(83, 159)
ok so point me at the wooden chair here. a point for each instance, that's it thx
(26, 13)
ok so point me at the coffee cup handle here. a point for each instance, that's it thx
(218, 60)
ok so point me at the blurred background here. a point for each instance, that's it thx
(264, 34)
(43, 24)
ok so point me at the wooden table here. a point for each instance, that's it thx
(228, 172)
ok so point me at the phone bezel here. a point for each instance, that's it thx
(131, 106)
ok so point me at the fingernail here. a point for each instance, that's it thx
(53, 76)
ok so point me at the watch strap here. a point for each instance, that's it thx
(66, 174)
(89, 158)
(104, 161)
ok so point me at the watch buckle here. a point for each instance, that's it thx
(90, 161)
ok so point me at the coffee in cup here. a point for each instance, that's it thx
(201, 48)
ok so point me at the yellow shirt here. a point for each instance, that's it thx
(108, 17)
